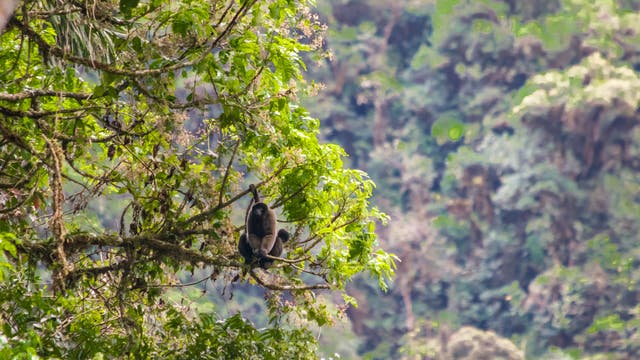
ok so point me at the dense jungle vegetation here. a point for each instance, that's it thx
(505, 143)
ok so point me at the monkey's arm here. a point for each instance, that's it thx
(245, 249)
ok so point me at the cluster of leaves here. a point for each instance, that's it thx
(130, 132)
(512, 126)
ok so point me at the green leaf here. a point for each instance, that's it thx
(8, 241)
(607, 323)
(126, 6)
(456, 131)
(447, 128)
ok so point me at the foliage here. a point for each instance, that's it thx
(130, 132)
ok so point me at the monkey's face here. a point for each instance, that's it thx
(259, 209)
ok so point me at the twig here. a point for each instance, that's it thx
(287, 287)
(288, 261)
(182, 285)
(226, 173)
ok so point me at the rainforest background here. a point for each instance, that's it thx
(504, 139)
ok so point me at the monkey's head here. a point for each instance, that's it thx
(259, 209)
(283, 235)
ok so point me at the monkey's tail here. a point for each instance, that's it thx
(255, 199)
(254, 191)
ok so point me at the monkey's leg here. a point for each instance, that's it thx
(255, 243)
(245, 249)
(267, 244)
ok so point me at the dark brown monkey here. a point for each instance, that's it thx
(261, 225)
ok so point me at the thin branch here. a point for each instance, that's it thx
(95, 271)
(224, 14)
(307, 271)
(281, 201)
(21, 202)
(182, 285)
(226, 173)
(16, 139)
(122, 215)
(286, 287)
(288, 261)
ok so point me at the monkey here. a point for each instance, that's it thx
(259, 238)
(260, 225)
(247, 253)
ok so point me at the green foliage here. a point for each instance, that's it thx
(447, 127)
(611, 322)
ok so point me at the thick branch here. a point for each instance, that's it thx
(160, 243)
(39, 93)
(57, 223)
(40, 114)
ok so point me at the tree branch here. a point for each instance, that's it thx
(40, 114)
(30, 94)
(157, 242)
(270, 286)
(226, 172)
(56, 223)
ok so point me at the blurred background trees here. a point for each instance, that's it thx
(503, 136)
